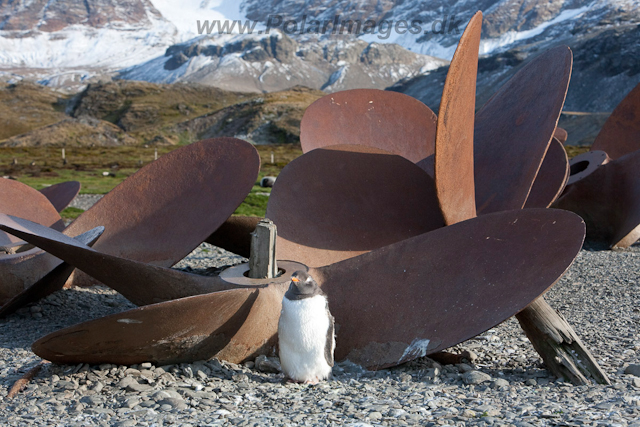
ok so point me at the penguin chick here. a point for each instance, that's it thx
(306, 331)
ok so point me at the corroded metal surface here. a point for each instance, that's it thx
(561, 135)
(514, 128)
(453, 162)
(21, 270)
(620, 134)
(60, 195)
(19, 199)
(585, 164)
(167, 208)
(338, 202)
(375, 118)
(50, 283)
(234, 234)
(609, 201)
(552, 177)
(432, 291)
(232, 325)
(140, 283)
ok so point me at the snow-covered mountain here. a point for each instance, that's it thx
(270, 62)
(67, 42)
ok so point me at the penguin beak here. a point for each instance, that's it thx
(295, 279)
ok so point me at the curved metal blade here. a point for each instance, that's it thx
(552, 177)
(514, 128)
(609, 201)
(453, 162)
(50, 283)
(432, 291)
(561, 135)
(21, 200)
(232, 325)
(138, 282)
(184, 330)
(234, 234)
(381, 119)
(60, 195)
(167, 208)
(620, 134)
(338, 202)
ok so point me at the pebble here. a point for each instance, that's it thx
(503, 384)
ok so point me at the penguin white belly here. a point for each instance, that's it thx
(302, 337)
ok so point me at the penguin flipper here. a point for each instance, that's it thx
(328, 348)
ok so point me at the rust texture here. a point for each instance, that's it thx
(561, 135)
(514, 128)
(620, 134)
(338, 202)
(552, 177)
(432, 281)
(60, 195)
(21, 200)
(234, 234)
(232, 325)
(609, 201)
(375, 118)
(454, 137)
(167, 208)
(50, 283)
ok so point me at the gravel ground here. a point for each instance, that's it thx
(506, 384)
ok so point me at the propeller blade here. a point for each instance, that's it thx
(620, 134)
(337, 202)
(234, 234)
(561, 135)
(62, 194)
(50, 283)
(609, 201)
(167, 208)
(514, 128)
(391, 121)
(21, 200)
(453, 162)
(138, 282)
(551, 179)
(232, 325)
(187, 329)
(432, 291)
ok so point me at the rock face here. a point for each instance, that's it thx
(52, 16)
(271, 62)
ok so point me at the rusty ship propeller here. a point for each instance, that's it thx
(156, 216)
(392, 304)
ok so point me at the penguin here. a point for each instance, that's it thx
(306, 336)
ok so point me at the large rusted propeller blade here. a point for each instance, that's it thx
(514, 128)
(552, 177)
(50, 283)
(375, 118)
(620, 134)
(60, 195)
(138, 282)
(19, 199)
(609, 200)
(21, 267)
(338, 202)
(234, 234)
(232, 325)
(167, 208)
(454, 138)
(430, 292)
